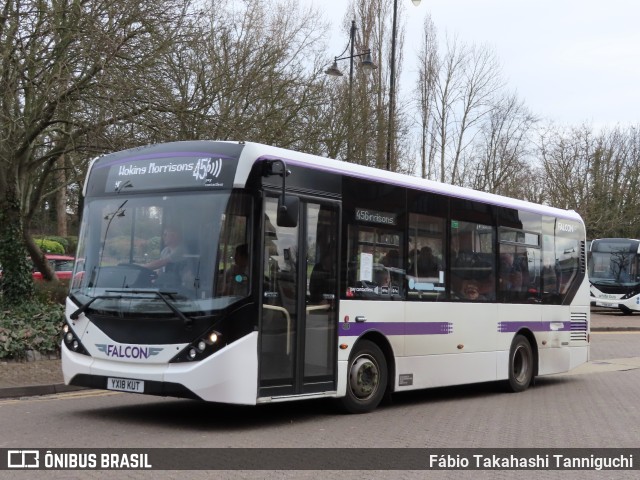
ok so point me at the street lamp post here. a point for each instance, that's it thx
(391, 127)
(366, 64)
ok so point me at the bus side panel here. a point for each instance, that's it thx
(579, 356)
(554, 360)
(450, 328)
(560, 360)
(430, 371)
(375, 316)
(568, 346)
(515, 317)
(443, 343)
(341, 389)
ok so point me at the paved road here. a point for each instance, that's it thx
(593, 407)
(612, 319)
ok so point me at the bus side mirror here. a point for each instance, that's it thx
(288, 208)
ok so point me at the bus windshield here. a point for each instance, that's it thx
(617, 267)
(178, 253)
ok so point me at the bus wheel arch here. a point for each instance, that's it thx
(369, 371)
(523, 361)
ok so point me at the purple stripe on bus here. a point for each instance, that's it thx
(353, 329)
(151, 156)
(510, 327)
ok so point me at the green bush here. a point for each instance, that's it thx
(49, 246)
(30, 326)
(69, 244)
(61, 240)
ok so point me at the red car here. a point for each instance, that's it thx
(62, 265)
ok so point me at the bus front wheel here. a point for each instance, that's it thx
(520, 364)
(367, 378)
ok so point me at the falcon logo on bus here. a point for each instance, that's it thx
(565, 227)
(128, 351)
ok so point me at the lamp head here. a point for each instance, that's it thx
(367, 62)
(333, 70)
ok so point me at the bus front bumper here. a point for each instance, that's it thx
(227, 376)
(628, 304)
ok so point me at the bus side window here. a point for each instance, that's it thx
(519, 266)
(513, 273)
(426, 270)
(472, 260)
(375, 267)
(566, 262)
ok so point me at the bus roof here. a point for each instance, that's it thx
(248, 153)
(255, 151)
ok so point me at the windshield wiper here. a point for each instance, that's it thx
(162, 295)
(85, 306)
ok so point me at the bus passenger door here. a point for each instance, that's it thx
(298, 348)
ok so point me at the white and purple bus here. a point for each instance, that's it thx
(358, 282)
(614, 274)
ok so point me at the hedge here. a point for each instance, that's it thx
(32, 326)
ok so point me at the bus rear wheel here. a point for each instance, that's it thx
(366, 379)
(520, 364)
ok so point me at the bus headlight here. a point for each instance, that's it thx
(71, 341)
(631, 293)
(200, 348)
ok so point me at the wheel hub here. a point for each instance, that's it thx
(364, 377)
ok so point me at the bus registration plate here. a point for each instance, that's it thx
(606, 305)
(125, 385)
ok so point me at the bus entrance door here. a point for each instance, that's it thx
(298, 324)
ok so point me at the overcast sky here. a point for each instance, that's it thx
(571, 61)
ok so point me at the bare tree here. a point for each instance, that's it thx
(250, 72)
(427, 75)
(502, 149)
(596, 174)
(611, 201)
(447, 94)
(61, 63)
(566, 161)
(457, 91)
(481, 81)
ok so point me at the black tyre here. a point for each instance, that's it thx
(521, 365)
(626, 310)
(366, 378)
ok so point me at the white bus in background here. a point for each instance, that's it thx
(359, 281)
(614, 273)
